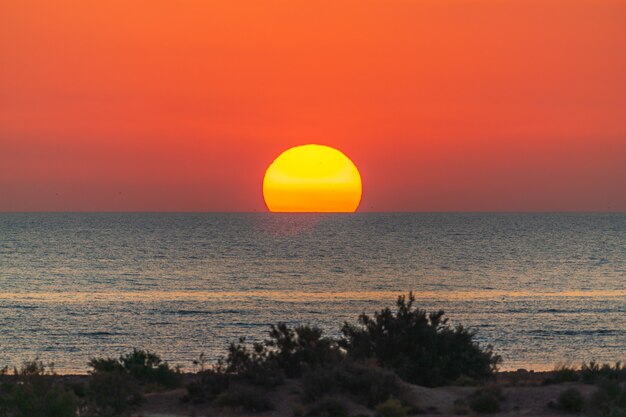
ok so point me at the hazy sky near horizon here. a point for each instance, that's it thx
(443, 105)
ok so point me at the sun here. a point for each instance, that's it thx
(312, 178)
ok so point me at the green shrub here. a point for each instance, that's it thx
(421, 348)
(391, 408)
(485, 400)
(329, 408)
(249, 398)
(571, 400)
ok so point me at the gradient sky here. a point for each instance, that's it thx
(163, 105)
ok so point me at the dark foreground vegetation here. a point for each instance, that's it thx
(371, 364)
(367, 364)
(114, 387)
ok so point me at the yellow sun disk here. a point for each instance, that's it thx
(312, 178)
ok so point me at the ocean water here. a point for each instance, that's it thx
(543, 289)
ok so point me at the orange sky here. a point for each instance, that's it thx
(462, 105)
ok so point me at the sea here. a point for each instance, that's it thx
(543, 289)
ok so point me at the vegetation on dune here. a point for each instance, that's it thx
(33, 391)
(589, 373)
(563, 374)
(593, 372)
(485, 400)
(422, 348)
(391, 408)
(117, 385)
(366, 384)
(367, 366)
(609, 400)
(571, 400)
(248, 397)
(113, 388)
(287, 353)
(143, 366)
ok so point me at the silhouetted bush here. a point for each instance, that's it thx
(286, 353)
(208, 385)
(485, 400)
(420, 347)
(609, 400)
(33, 391)
(594, 371)
(144, 366)
(366, 384)
(249, 398)
(112, 393)
(299, 349)
(116, 386)
(561, 374)
(254, 366)
(391, 408)
(571, 400)
(329, 408)
(465, 381)
(566, 373)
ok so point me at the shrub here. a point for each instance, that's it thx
(485, 400)
(241, 366)
(112, 393)
(252, 366)
(329, 408)
(287, 352)
(249, 398)
(144, 366)
(34, 392)
(368, 385)
(566, 373)
(116, 385)
(465, 381)
(391, 408)
(318, 384)
(208, 385)
(299, 349)
(571, 400)
(594, 371)
(609, 400)
(421, 348)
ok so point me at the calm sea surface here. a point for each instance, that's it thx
(543, 289)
